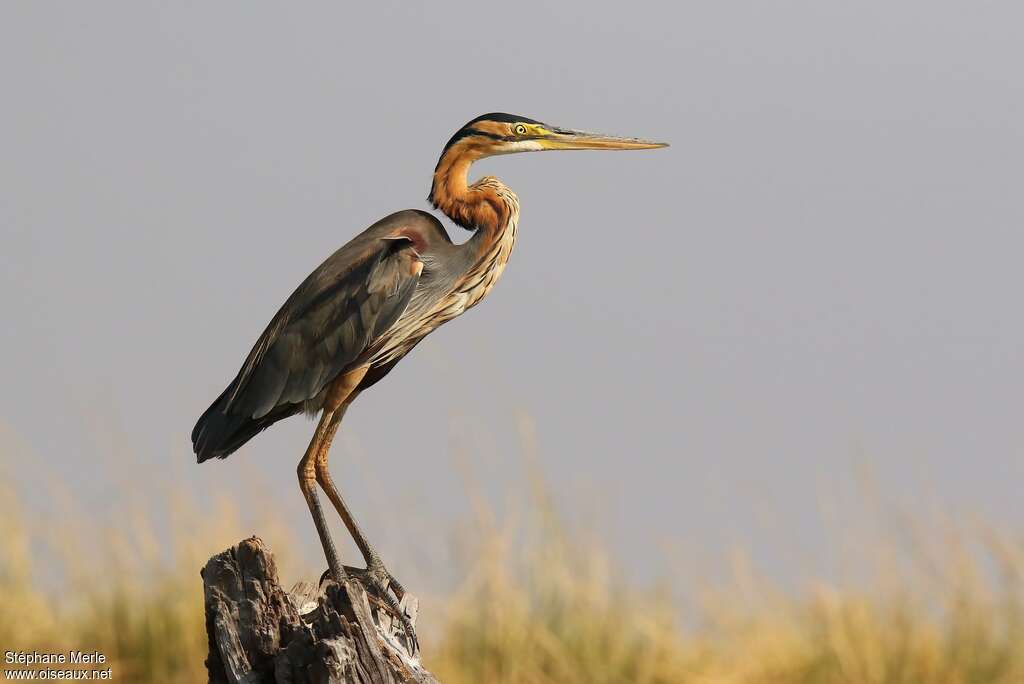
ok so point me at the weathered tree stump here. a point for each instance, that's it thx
(334, 634)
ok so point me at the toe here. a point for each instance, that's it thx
(384, 580)
(396, 587)
(394, 607)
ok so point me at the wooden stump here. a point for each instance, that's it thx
(338, 633)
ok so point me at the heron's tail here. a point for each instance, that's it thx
(219, 433)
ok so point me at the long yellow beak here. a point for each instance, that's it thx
(566, 139)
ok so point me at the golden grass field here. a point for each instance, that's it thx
(944, 607)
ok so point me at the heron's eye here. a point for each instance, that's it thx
(520, 129)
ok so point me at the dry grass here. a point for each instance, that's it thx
(943, 606)
(547, 609)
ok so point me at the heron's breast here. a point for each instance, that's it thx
(422, 318)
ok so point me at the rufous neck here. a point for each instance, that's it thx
(476, 207)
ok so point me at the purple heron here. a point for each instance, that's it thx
(364, 308)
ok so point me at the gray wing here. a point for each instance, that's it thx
(325, 327)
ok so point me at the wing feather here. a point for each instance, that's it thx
(327, 330)
(331, 320)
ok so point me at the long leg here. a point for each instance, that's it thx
(323, 476)
(376, 571)
(307, 483)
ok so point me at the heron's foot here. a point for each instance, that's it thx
(391, 592)
(384, 580)
(386, 590)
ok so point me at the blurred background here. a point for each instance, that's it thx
(749, 394)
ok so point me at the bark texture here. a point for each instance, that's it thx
(335, 634)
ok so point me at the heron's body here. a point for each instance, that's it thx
(354, 317)
(409, 279)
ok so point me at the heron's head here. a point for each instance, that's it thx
(493, 134)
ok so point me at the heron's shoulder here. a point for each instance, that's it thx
(422, 230)
(421, 225)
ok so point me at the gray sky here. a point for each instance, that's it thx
(823, 270)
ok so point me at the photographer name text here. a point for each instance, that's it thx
(45, 658)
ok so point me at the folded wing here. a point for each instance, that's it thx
(321, 331)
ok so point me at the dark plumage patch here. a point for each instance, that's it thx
(497, 117)
(501, 117)
(347, 304)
